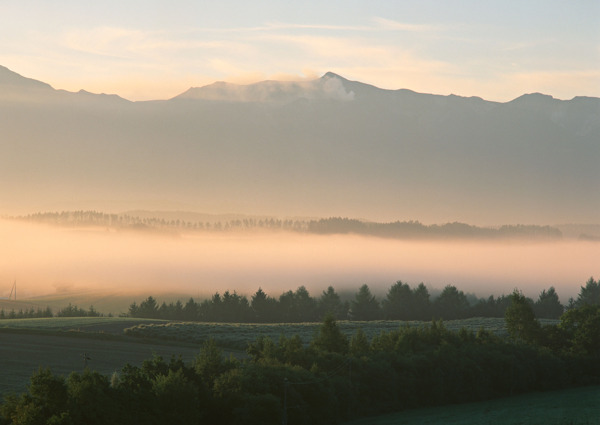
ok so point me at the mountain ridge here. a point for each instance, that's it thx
(323, 147)
(9, 77)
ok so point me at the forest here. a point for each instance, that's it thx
(334, 377)
(400, 303)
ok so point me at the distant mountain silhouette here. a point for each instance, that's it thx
(10, 78)
(322, 147)
(330, 86)
(13, 86)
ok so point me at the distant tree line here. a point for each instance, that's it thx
(415, 229)
(328, 381)
(74, 311)
(400, 303)
(68, 311)
(332, 225)
(26, 314)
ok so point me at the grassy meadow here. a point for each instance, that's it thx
(577, 406)
(238, 335)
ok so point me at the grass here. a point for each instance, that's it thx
(239, 335)
(22, 354)
(577, 406)
(60, 342)
(98, 324)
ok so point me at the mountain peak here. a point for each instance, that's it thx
(11, 78)
(533, 98)
(330, 74)
(330, 87)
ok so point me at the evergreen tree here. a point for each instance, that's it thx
(421, 303)
(263, 307)
(147, 308)
(548, 305)
(589, 294)
(330, 337)
(331, 303)
(364, 306)
(398, 303)
(451, 304)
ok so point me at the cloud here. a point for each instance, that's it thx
(391, 25)
(142, 64)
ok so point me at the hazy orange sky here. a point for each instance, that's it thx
(151, 49)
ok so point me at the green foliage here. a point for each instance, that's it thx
(451, 304)
(30, 313)
(520, 319)
(176, 398)
(74, 311)
(147, 309)
(398, 303)
(359, 343)
(45, 402)
(582, 325)
(264, 307)
(401, 303)
(331, 303)
(330, 337)
(548, 305)
(209, 364)
(407, 367)
(297, 306)
(589, 294)
(90, 398)
(364, 306)
(421, 303)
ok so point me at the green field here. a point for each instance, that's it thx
(577, 406)
(239, 335)
(111, 342)
(60, 343)
(87, 324)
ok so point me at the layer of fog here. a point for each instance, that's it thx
(46, 260)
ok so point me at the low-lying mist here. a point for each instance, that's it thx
(47, 260)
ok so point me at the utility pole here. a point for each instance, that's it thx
(13, 290)
(85, 360)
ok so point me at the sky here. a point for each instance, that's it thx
(151, 49)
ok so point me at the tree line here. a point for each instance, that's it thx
(68, 311)
(330, 380)
(332, 225)
(400, 303)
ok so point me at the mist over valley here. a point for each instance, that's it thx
(299, 152)
(107, 268)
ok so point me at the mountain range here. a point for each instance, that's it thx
(322, 147)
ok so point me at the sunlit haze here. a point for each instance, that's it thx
(58, 261)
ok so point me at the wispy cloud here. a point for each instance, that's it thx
(389, 24)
